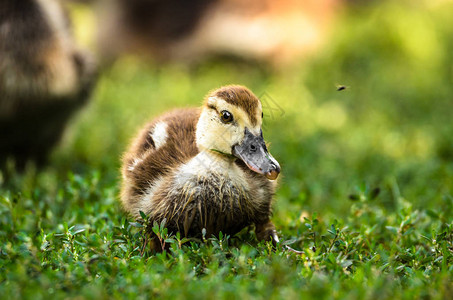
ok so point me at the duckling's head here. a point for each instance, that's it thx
(230, 124)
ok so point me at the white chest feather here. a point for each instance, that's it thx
(207, 163)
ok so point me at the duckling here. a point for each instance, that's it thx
(204, 168)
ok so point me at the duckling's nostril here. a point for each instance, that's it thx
(253, 148)
(275, 167)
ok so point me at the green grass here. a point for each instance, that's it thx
(366, 189)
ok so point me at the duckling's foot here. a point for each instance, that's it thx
(267, 232)
(153, 244)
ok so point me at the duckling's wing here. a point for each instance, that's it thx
(162, 145)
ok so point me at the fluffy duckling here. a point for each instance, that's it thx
(204, 168)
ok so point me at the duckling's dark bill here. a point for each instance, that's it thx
(253, 152)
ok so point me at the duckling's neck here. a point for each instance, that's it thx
(225, 154)
(213, 159)
(208, 161)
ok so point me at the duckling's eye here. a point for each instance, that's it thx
(262, 115)
(226, 116)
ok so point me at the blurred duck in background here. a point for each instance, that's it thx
(44, 78)
(277, 32)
